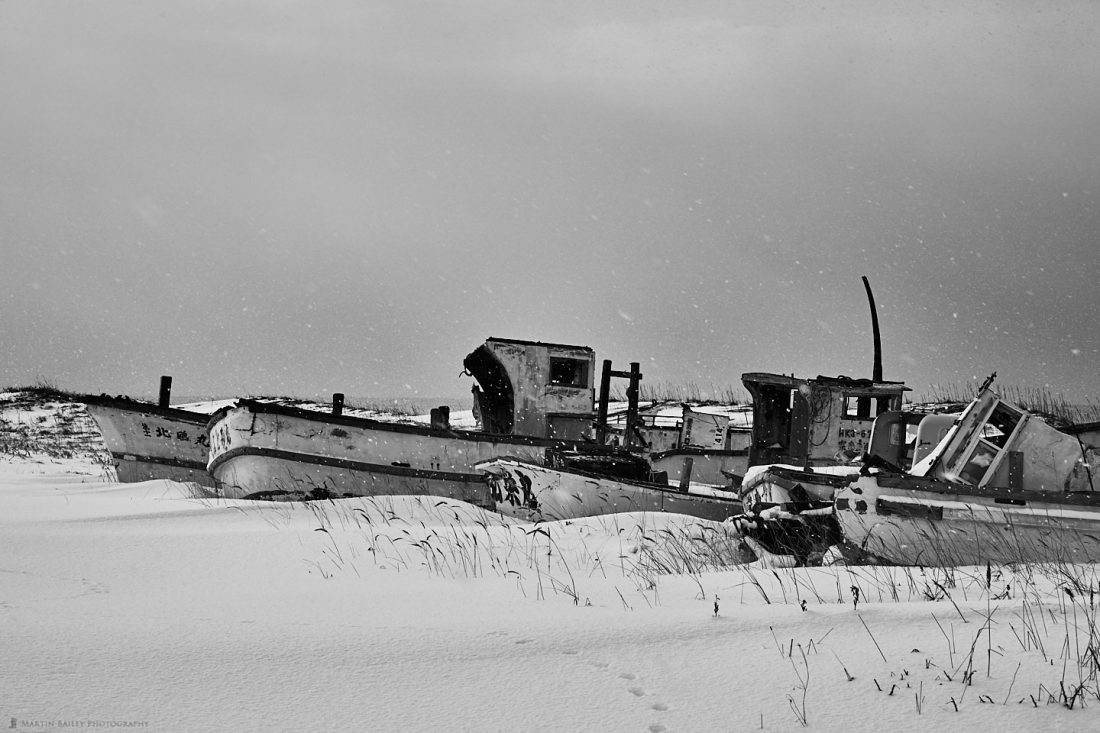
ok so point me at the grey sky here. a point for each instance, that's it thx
(307, 197)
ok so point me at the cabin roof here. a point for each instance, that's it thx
(521, 342)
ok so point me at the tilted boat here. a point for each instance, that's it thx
(992, 484)
(587, 484)
(152, 441)
(530, 397)
(1001, 487)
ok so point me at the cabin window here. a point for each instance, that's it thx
(568, 372)
(994, 436)
(874, 406)
(980, 461)
(998, 429)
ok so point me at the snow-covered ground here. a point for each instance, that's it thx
(140, 606)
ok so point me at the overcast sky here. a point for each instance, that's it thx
(308, 197)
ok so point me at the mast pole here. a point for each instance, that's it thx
(876, 369)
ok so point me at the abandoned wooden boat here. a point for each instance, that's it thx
(530, 397)
(261, 450)
(821, 432)
(152, 441)
(1001, 487)
(611, 484)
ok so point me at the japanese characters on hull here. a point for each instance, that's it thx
(167, 432)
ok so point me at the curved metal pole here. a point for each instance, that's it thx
(876, 370)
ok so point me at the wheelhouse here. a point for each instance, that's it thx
(813, 422)
(533, 388)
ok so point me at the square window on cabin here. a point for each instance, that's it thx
(568, 372)
(979, 463)
(998, 428)
(851, 406)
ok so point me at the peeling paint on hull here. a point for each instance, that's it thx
(537, 493)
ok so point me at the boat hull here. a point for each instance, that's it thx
(149, 442)
(261, 451)
(907, 521)
(539, 493)
(266, 474)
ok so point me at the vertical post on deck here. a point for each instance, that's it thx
(632, 403)
(441, 417)
(337, 403)
(601, 407)
(165, 391)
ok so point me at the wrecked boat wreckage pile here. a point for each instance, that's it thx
(543, 447)
(820, 469)
(826, 469)
(994, 484)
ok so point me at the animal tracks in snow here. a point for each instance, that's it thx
(504, 634)
(94, 588)
(634, 687)
(639, 691)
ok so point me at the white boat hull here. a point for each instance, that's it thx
(262, 451)
(912, 522)
(269, 475)
(150, 442)
(538, 493)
